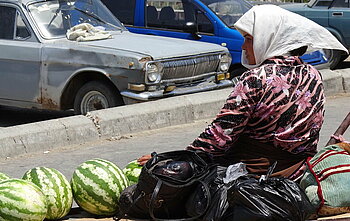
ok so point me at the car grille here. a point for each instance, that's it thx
(192, 67)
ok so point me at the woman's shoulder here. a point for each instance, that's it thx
(276, 66)
(284, 61)
(259, 71)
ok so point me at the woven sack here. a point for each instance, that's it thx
(326, 181)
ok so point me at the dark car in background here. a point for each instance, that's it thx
(198, 20)
(334, 15)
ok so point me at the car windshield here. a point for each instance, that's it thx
(311, 3)
(55, 17)
(228, 10)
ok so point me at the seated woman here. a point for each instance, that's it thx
(275, 111)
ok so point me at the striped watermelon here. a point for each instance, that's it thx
(97, 185)
(3, 177)
(21, 200)
(132, 171)
(56, 189)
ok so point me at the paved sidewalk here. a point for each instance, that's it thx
(114, 122)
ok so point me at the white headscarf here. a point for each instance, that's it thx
(277, 31)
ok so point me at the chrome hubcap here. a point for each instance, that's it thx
(93, 100)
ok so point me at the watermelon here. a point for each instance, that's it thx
(3, 177)
(132, 171)
(96, 186)
(21, 200)
(56, 189)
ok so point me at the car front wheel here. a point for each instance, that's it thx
(95, 95)
(333, 57)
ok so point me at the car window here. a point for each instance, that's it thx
(55, 17)
(204, 24)
(7, 22)
(229, 11)
(122, 9)
(341, 4)
(11, 24)
(165, 14)
(323, 3)
(174, 14)
(21, 28)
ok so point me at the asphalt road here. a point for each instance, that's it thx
(121, 150)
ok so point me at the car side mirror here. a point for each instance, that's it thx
(191, 27)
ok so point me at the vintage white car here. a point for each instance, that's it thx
(44, 67)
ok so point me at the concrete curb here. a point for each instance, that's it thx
(47, 135)
(333, 82)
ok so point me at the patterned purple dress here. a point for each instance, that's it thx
(280, 103)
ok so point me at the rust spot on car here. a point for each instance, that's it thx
(145, 59)
(48, 103)
(121, 77)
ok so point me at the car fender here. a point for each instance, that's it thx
(80, 77)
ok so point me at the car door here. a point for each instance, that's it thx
(169, 17)
(19, 57)
(339, 18)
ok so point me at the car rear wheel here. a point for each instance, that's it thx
(333, 57)
(344, 57)
(95, 95)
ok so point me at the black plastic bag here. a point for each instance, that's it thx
(274, 199)
(199, 201)
(217, 182)
(196, 204)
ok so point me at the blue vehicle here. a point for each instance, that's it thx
(199, 20)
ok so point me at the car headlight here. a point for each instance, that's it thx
(225, 62)
(153, 72)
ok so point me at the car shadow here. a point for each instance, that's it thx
(343, 65)
(11, 116)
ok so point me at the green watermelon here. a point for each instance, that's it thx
(21, 200)
(132, 171)
(56, 189)
(97, 185)
(3, 177)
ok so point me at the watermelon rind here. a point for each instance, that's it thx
(132, 171)
(3, 177)
(21, 200)
(96, 186)
(56, 188)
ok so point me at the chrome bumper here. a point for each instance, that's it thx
(152, 95)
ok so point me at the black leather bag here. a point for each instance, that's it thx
(165, 183)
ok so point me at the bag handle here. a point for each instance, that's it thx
(155, 194)
(270, 170)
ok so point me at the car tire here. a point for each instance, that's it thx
(95, 95)
(344, 57)
(333, 57)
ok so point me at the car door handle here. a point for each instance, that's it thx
(337, 14)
